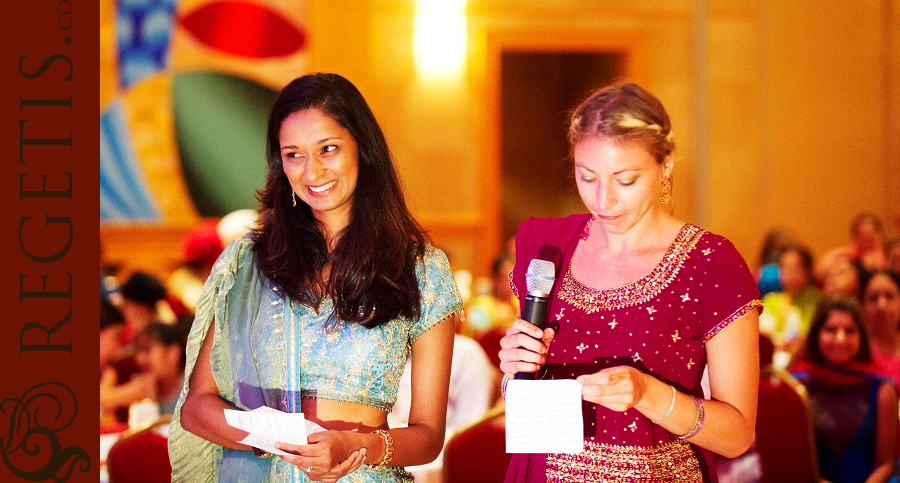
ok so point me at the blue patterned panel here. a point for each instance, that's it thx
(143, 31)
(124, 194)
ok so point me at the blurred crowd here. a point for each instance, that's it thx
(145, 320)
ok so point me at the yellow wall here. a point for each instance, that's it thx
(786, 113)
(794, 121)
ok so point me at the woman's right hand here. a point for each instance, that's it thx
(524, 348)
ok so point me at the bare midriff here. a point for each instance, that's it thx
(343, 415)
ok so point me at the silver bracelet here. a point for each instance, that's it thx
(671, 406)
(698, 423)
(503, 385)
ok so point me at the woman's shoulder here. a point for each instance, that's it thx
(709, 243)
(567, 223)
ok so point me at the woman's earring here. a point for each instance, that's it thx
(665, 195)
(294, 198)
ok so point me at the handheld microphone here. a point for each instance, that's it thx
(539, 280)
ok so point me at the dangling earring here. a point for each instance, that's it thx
(665, 195)
(587, 228)
(294, 198)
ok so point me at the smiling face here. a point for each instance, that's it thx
(840, 338)
(321, 161)
(618, 182)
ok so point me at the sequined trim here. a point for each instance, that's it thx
(593, 300)
(509, 279)
(672, 462)
(753, 304)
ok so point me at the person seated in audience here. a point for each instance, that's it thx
(767, 273)
(881, 308)
(142, 300)
(199, 250)
(488, 315)
(788, 313)
(892, 252)
(121, 381)
(113, 366)
(843, 278)
(854, 407)
(161, 356)
(866, 248)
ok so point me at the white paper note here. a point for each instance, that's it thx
(268, 425)
(544, 416)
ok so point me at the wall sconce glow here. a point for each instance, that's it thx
(440, 38)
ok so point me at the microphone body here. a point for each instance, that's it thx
(539, 279)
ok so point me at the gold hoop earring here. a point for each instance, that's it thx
(294, 198)
(665, 194)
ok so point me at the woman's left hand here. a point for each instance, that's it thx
(618, 388)
(328, 456)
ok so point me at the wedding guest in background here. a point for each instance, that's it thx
(160, 355)
(855, 409)
(116, 367)
(788, 312)
(843, 278)
(881, 308)
(892, 251)
(767, 273)
(866, 248)
(143, 301)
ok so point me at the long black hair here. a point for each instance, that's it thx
(372, 266)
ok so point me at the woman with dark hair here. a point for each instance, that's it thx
(854, 408)
(643, 303)
(881, 308)
(160, 355)
(788, 312)
(318, 310)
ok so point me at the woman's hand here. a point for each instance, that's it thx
(524, 348)
(618, 388)
(328, 456)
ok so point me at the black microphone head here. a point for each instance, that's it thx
(540, 277)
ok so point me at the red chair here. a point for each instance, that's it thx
(477, 454)
(140, 456)
(784, 430)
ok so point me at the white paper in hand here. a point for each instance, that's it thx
(268, 425)
(544, 416)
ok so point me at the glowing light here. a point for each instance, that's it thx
(440, 39)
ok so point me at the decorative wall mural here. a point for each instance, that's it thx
(185, 89)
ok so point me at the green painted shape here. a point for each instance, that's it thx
(220, 127)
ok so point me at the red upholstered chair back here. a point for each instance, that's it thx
(784, 430)
(478, 454)
(142, 457)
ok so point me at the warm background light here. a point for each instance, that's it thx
(440, 38)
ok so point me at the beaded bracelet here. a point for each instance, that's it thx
(388, 448)
(698, 423)
(671, 406)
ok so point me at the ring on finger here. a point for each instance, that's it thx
(308, 469)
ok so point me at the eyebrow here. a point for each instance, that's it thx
(319, 142)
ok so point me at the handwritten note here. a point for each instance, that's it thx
(268, 425)
(544, 416)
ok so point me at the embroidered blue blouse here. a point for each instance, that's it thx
(270, 351)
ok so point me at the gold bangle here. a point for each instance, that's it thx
(388, 448)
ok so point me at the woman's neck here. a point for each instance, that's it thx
(654, 232)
